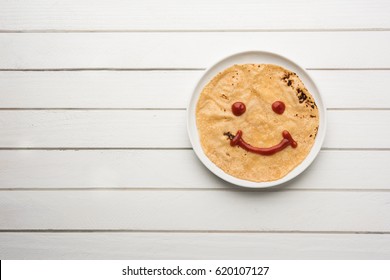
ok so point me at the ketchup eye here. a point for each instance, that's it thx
(278, 107)
(238, 108)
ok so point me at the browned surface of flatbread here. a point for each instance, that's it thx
(258, 86)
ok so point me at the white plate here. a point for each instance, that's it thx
(257, 57)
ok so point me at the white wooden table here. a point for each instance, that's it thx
(95, 161)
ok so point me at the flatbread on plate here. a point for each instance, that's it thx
(258, 86)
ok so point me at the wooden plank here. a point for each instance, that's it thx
(188, 49)
(196, 210)
(198, 15)
(353, 89)
(192, 246)
(97, 89)
(159, 129)
(131, 169)
(65, 128)
(361, 129)
(168, 89)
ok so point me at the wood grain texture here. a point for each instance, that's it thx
(159, 129)
(165, 89)
(188, 50)
(192, 15)
(193, 246)
(197, 210)
(132, 169)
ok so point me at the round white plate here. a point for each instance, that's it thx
(257, 57)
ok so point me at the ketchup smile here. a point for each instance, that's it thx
(286, 141)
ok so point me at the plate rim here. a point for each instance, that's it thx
(195, 141)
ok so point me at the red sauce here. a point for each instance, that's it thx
(238, 108)
(287, 141)
(278, 107)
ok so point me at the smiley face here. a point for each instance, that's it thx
(239, 108)
(256, 122)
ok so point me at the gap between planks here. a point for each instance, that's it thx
(185, 231)
(163, 109)
(154, 149)
(229, 189)
(260, 30)
(176, 69)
